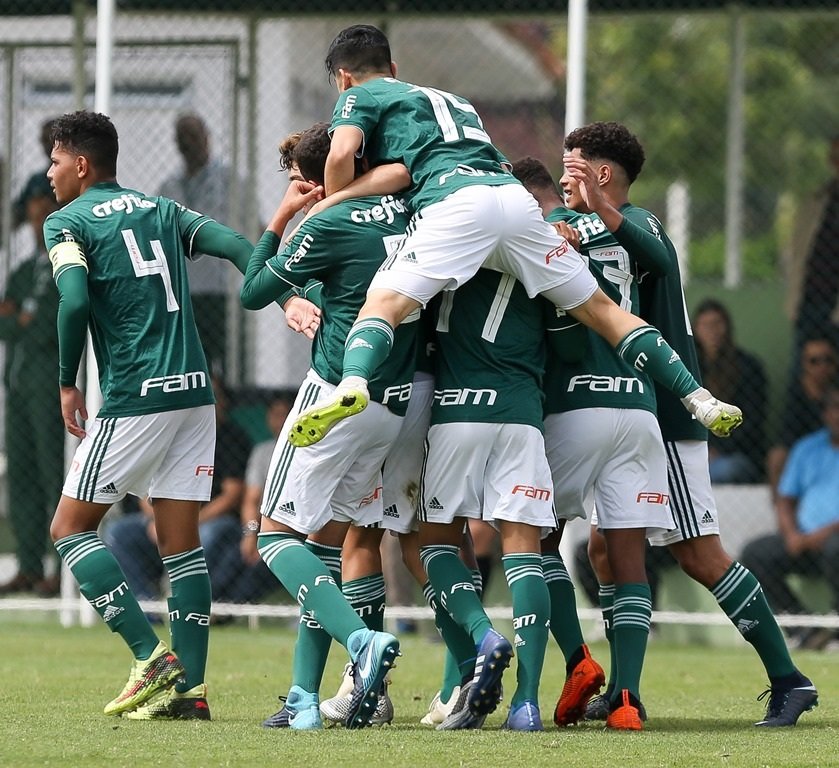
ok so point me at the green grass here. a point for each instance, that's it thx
(701, 701)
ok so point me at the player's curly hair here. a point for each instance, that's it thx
(308, 150)
(90, 134)
(608, 141)
(360, 49)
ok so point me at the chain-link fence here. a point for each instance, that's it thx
(735, 104)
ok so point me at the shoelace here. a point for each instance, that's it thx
(777, 697)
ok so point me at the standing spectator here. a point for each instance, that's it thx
(34, 432)
(37, 185)
(813, 261)
(211, 188)
(807, 541)
(802, 409)
(732, 372)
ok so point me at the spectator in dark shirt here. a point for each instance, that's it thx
(739, 377)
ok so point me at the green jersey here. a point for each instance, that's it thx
(601, 379)
(342, 247)
(437, 135)
(490, 353)
(134, 250)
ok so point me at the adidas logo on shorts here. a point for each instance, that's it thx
(434, 504)
(391, 511)
(110, 489)
(707, 518)
(287, 509)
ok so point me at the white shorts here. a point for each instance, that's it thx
(168, 455)
(402, 470)
(692, 503)
(611, 459)
(487, 471)
(498, 227)
(338, 478)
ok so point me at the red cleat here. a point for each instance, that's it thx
(585, 680)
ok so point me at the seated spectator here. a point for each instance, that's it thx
(737, 377)
(133, 539)
(241, 574)
(802, 411)
(807, 541)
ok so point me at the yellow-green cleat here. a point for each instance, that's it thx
(169, 704)
(147, 677)
(720, 418)
(310, 426)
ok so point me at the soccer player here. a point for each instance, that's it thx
(486, 460)
(601, 162)
(605, 451)
(468, 211)
(311, 497)
(119, 261)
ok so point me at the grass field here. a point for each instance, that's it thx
(701, 702)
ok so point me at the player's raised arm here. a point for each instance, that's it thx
(347, 141)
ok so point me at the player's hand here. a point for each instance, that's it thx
(569, 233)
(72, 402)
(302, 316)
(585, 173)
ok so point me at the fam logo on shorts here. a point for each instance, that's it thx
(557, 253)
(530, 492)
(372, 497)
(652, 497)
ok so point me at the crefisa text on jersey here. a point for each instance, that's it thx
(121, 204)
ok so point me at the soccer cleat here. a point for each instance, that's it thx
(375, 659)
(349, 398)
(597, 707)
(279, 719)
(585, 680)
(720, 418)
(494, 656)
(147, 677)
(523, 717)
(626, 715)
(304, 710)
(786, 705)
(439, 710)
(172, 705)
(461, 718)
(337, 709)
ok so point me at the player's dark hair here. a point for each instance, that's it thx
(309, 152)
(608, 141)
(90, 134)
(534, 174)
(360, 49)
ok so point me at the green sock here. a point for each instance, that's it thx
(631, 624)
(103, 585)
(308, 580)
(741, 597)
(460, 656)
(478, 583)
(367, 597)
(311, 650)
(368, 344)
(189, 613)
(606, 598)
(531, 615)
(645, 349)
(565, 624)
(453, 584)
